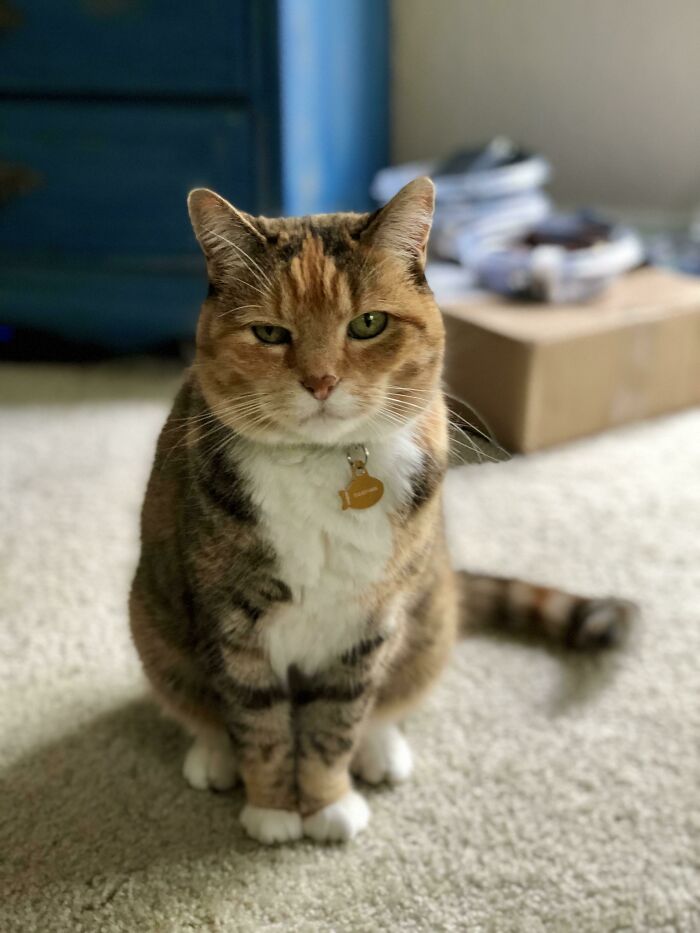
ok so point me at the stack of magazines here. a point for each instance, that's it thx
(494, 219)
(483, 197)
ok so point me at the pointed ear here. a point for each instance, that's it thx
(225, 234)
(402, 226)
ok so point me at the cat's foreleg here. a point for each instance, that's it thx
(328, 716)
(260, 726)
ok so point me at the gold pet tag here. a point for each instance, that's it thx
(363, 490)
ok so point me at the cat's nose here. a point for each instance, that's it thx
(320, 386)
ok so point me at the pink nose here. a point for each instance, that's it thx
(320, 386)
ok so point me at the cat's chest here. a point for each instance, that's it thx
(329, 557)
(297, 494)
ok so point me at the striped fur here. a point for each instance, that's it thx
(519, 607)
(278, 629)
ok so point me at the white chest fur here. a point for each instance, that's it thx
(328, 557)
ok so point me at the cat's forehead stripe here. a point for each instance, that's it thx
(312, 272)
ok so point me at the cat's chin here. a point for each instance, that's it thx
(324, 431)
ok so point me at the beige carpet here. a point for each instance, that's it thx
(551, 793)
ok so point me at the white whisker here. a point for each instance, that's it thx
(250, 262)
(240, 308)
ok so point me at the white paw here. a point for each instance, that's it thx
(210, 763)
(339, 821)
(383, 755)
(271, 826)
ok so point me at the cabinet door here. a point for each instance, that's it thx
(125, 46)
(122, 309)
(110, 180)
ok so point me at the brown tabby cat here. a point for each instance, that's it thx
(294, 597)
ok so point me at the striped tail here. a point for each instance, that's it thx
(577, 622)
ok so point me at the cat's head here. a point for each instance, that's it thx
(318, 329)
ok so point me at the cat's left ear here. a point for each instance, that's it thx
(402, 226)
(225, 234)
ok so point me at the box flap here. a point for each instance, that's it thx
(642, 296)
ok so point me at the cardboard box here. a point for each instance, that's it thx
(542, 374)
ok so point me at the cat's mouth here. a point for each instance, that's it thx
(328, 411)
(321, 416)
(327, 423)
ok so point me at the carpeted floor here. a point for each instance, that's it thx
(551, 793)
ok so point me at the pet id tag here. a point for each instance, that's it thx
(363, 490)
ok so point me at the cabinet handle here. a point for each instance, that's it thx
(10, 17)
(16, 180)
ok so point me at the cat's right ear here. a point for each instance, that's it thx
(402, 226)
(225, 234)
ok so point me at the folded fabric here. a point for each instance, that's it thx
(565, 258)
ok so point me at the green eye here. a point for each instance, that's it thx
(367, 325)
(268, 333)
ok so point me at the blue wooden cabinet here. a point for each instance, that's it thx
(111, 110)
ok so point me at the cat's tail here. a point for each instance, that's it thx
(578, 622)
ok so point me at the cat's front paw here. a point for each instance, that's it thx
(271, 826)
(383, 755)
(339, 821)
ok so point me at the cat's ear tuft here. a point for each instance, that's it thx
(221, 229)
(402, 226)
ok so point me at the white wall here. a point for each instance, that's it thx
(608, 89)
